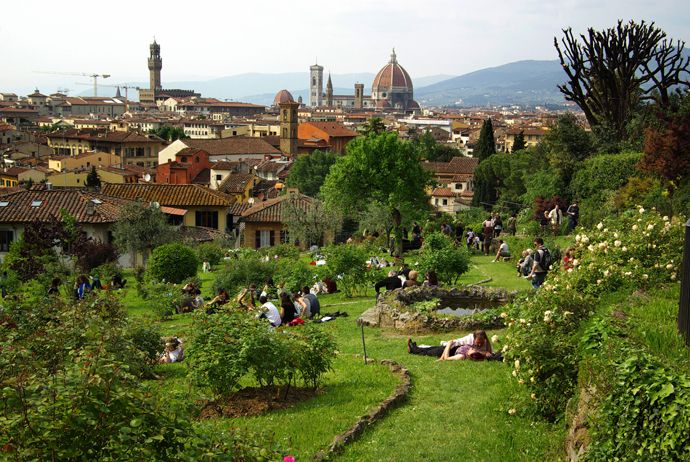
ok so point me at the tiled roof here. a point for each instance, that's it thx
(199, 234)
(174, 195)
(235, 183)
(442, 192)
(457, 166)
(233, 146)
(333, 129)
(203, 177)
(272, 209)
(13, 171)
(46, 204)
(238, 208)
(225, 165)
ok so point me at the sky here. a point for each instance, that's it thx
(206, 39)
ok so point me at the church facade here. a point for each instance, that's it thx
(391, 90)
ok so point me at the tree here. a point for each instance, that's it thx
(308, 172)
(486, 145)
(567, 144)
(432, 150)
(92, 179)
(373, 126)
(141, 228)
(308, 221)
(378, 168)
(611, 72)
(169, 133)
(667, 151)
(519, 143)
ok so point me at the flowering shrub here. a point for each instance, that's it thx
(441, 255)
(640, 249)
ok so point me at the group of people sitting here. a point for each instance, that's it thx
(84, 284)
(405, 277)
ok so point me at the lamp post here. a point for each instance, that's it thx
(684, 304)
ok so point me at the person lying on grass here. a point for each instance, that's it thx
(474, 346)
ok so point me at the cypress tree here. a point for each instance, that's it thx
(519, 143)
(486, 145)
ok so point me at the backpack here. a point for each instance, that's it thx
(544, 258)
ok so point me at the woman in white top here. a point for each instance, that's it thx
(477, 346)
(173, 353)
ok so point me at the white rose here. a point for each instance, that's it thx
(634, 228)
(494, 339)
(576, 262)
(547, 316)
(504, 315)
(641, 210)
(665, 218)
(603, 245)
(533, 396)
(585, 239)
(600, 225)
(533, 380)
(615, 235)
(627, 273)
(578, 238)
(673, 277)
(517, 364)
(521, 382)
(645, 276)
(590, 247)
(617, 243)
(514, 373)
(624, 249)
(650, 226)
(669, 266)
(570, 270)
(512, 411)
(606, 273)
(598, 281)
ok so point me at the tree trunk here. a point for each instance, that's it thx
(397, 221)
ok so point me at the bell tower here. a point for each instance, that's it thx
(316, 85)
(288, 128)
(329, 92)
(155, 66)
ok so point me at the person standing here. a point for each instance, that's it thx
(555, 218)
(541, 264)
(488, 232)
(573, 213)
(512, 224)
(498, 225)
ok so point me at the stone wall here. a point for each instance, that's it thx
(393, 310)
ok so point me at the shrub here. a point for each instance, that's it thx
(147, 339)
(210, 252)
(347, 263)
(92, 253)
(242, 272)
(441, 255)
(172, 263)
(229, 346)
(639, 250)
(603, 173)
(295, 274)
(163, 298)
(290, 251)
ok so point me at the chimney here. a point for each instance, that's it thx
(90, 207)
(49, 186)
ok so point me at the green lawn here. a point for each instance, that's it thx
(455, 411)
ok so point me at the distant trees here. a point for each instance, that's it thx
(373, 126)
(92, 179)
(309, 222)
(519, 143)
(611, 72)
(486, 145)
(169, 133)
(309, 172)
(432, 150)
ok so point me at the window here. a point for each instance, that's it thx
(219, 177)
(458, 186)
(284, 236)
(264, 238)
(6, 238)
(445, 201)
(207, 219)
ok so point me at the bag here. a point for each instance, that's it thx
(544, 258)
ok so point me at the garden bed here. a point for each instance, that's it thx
(253, 401)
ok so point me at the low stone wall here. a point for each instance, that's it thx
(392, 310)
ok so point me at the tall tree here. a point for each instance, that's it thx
(486, 145)
(519, 143)
(373, 126)
(308, 220)
(611, 72)
(566, 145)
(308, 172)
(378, 168)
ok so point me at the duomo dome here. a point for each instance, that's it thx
(392, 87)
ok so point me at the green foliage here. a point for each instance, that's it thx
(486, 146)
(210, 252)
(639, 250)
(293, 273)
(519, 142)
(141, 228)
(646, 416)
(432, 150)
(286, 250)
(172, 263)
(92, 179)
(567, 144)
(308, 221)
(373, 126)
(147, 339)
(169, 133)
(603, 173)
(229, 346)
(441, 255)
(347, 264)
(308, 172)
(163, 298)
(242, 272)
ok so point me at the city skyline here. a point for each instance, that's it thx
(218, 40)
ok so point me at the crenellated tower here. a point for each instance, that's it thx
(155, 66)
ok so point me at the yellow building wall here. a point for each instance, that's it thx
(190, 216)
(250, 230)
(69, 179)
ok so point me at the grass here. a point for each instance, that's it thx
(455, 411)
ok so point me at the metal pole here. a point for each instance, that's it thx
(364, 345)
(684, 304)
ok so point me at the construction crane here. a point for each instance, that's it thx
(94, 76)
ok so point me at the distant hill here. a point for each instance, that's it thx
(521, 82)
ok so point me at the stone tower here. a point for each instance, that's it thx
(359, 96)
(329, 92)
(288, 128)
(316, 86)
(155, 66)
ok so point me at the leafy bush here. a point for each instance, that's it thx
(163, 298)
(68, 391)
(639, 250)
(281, 251)
(441, 255)
(147, 339)
(172, 263)
(347, 263)
(603, 173)
(242, 272)
(210, 252)
(229, 346)
(92, 253)
(295, 274)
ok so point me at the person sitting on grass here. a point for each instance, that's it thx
(430, 279)
(412, 279)
(219, 300)
(174, 353)
(287, 309)
(269, 311)
(314, 304)
(474, 346)
(503, 251)
(246, 297)
(392, 282)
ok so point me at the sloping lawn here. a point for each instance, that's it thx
(455, 411)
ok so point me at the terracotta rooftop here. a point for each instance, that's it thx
(456, 166)
(333, 129)
(233, 146)
(41, 205)
(272, 209)
(225, 165)
(442, 192)
(235, 183)
(174, 195)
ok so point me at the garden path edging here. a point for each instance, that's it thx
(400, 393)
